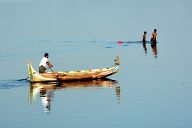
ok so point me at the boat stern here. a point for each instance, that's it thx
(31, 71)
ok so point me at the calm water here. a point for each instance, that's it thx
(152, 90)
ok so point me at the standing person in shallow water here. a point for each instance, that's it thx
(144, 37)
(44, 62)
(154, 37)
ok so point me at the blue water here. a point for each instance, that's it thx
(152, 88)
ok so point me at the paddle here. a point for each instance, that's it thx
(51, 69)
(58, 80)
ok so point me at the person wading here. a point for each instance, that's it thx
(144, 37)
(154, 37)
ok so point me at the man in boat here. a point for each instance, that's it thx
(144, 37)
(154, 37)
(44, 62)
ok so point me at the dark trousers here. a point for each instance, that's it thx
(42, 69)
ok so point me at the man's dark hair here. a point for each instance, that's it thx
(46, 54)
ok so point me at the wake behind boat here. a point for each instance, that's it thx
(72, 75)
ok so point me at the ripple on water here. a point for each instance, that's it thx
(8, 84)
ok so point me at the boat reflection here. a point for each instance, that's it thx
(46, 91)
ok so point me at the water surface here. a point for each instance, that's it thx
(152, 89)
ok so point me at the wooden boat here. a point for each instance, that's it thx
(72, 75)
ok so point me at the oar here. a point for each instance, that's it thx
(58, 80)
(51, 69)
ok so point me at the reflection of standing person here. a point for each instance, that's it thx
(44, 62)
(154, 37)
(154, 50)
(144, 37)
(145, 48)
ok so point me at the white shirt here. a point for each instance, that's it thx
(43, 61)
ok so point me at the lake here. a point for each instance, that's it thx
(152, 89)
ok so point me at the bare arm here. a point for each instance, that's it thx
(49, 64)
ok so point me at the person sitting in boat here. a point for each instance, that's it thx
(44, 62)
